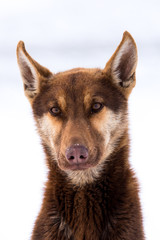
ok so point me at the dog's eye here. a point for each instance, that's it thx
(55, 111)
(96, 107)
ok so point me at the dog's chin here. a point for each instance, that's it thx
(81, 174)
(84, 174)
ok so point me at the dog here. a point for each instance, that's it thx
(81, 116)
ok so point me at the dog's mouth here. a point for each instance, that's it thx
(81, 166)
(75, 167)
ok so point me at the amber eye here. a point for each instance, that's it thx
(96, 107)
(55, 111)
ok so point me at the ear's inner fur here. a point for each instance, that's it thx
(125, 65)
(126, 83)
(31, 71)
(123, 62)
(28, 76)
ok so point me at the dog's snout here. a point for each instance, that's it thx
(77, 154)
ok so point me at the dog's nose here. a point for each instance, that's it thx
(77, 154)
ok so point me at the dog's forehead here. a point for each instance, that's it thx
(77, 84)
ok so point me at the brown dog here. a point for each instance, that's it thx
(81, 116)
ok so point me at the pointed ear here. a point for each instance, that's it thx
(122, 65)
(31, 71)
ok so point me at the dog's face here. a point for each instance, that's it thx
(80, 110)
(81, 114)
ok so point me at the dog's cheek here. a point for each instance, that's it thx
(49, 128)
(113, 130)
(100, 122)
(106, 123)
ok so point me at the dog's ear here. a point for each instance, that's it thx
(32, 72)
(122, 65)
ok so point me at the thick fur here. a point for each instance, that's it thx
(97, 200)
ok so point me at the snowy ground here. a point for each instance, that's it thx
(62, 35)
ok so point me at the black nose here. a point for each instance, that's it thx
(77, 154)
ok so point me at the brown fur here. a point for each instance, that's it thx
(98, 199)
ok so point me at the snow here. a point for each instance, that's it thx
(62, 35)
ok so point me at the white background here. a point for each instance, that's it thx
(62, 35)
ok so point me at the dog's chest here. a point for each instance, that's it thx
(82, 214)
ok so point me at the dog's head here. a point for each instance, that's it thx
(81, 114)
